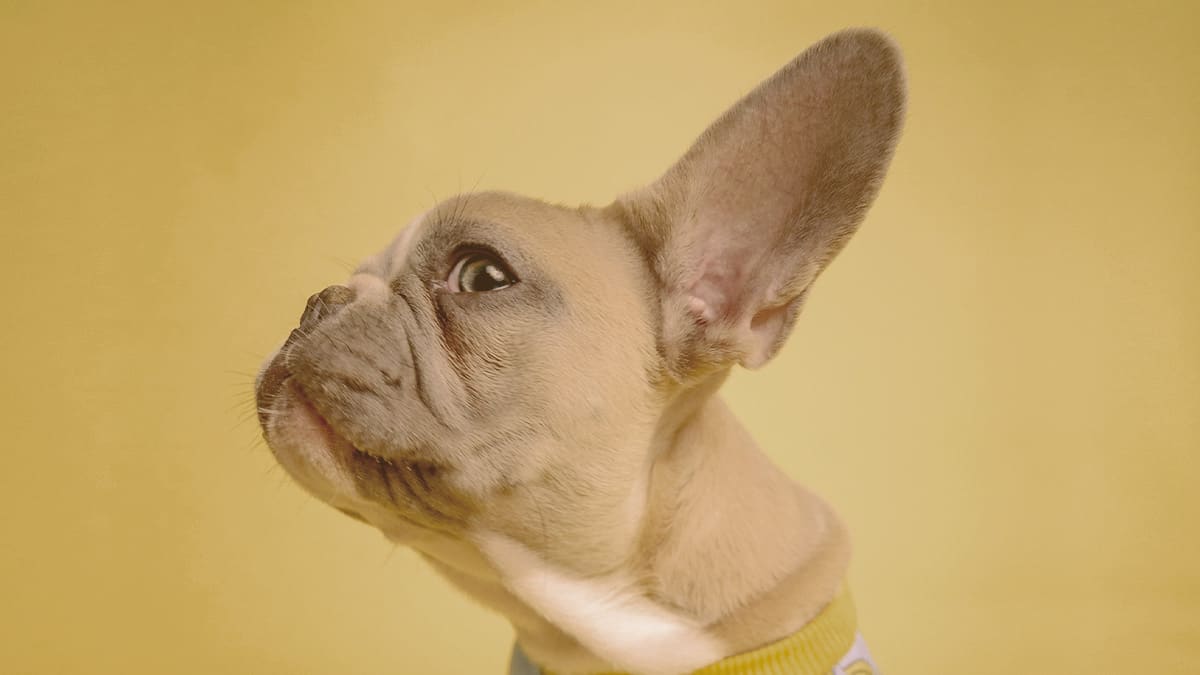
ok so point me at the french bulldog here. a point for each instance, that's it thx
(526, 393)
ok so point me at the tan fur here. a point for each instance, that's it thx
(568, 425)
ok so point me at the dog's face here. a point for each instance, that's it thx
(498, 357)
(507, 365)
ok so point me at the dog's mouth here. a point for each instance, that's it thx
(276, 379)
(329, 464)
(279, 395)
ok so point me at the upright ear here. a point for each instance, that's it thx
(740, 227)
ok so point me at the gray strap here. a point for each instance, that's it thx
(520, 664)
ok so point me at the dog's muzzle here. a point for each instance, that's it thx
(320, 306)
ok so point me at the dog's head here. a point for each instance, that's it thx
(514, 366)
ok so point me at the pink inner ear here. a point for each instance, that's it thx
(714, 293)
(741, 287)
(766, 333)
(701, 309)
(731, 268)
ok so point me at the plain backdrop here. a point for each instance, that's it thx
(997, 384)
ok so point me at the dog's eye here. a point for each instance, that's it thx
(479, 271)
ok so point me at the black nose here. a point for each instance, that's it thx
(325, 304)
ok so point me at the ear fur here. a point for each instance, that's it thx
(740, 227)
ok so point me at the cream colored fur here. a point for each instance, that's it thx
(556, 447)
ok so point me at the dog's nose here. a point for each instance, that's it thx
(325, 304)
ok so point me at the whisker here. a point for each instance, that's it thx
(254, 445)
(391, 552)
(463, 199)
(435, 216)
(241, 404)
(242, 373)
(347, 266)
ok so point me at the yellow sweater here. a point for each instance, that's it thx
(827, 645)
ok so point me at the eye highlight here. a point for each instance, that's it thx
(478, 272)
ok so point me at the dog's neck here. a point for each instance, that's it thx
(732, 555)
(732, 540)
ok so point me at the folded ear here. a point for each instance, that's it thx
(740, 227)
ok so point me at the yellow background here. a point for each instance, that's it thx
(998, 384)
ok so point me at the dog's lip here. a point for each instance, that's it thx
(276, 378)
(269, 384)
(272, 379)
(301, 399)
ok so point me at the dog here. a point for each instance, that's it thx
(526, 393)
